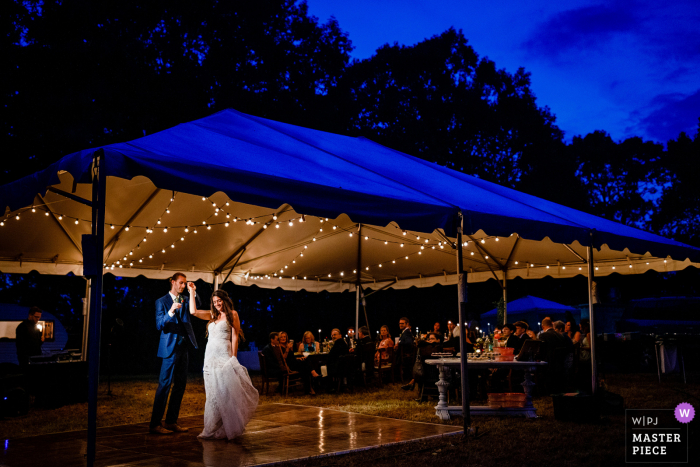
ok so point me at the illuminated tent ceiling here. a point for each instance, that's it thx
(230, 190)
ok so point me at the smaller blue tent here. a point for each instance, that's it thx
(532, 310)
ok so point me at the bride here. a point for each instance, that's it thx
(231, 397)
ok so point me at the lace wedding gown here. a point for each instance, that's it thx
(231, 397)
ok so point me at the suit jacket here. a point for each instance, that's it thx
(340, 348)
(274, 361)
(406, 337)
(518, 342)
(557, 347)
(173, 329)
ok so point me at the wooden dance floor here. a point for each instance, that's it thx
(277, 433)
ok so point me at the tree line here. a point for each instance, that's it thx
(80, 74)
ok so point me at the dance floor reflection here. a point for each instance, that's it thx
(278, 432)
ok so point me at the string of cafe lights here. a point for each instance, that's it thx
(274, 221)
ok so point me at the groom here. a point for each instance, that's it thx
(176, 335)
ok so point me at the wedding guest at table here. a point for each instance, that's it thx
(274, 362)
(560, 327)
(436, 329)
(285, 347)
(297, 363)
(426, 348)
(362, 338)
(350, 337)
(572, 330)
(584, 357)
(556, 348)
(508, 332)
(452, 344)
(308, 343)
(385, 342)
(521, 328)
(339, 348)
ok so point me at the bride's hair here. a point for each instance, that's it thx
(227, 305)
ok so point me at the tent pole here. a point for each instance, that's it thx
(357, 280)
(462, 303)
(591, 272)
(505, 296)
(216, 281)
(86, 321)
(99, 185)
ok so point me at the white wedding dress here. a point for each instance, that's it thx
(231, 397)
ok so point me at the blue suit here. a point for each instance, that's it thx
(175, 331)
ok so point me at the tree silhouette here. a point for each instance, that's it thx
(439, 101)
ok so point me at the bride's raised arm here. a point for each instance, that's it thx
(201, 314)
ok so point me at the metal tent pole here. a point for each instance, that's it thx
(216, 280)
(462, 303)
(99, 190)
(86, 321)
(591, 275)
(357, 279)
(505, 297)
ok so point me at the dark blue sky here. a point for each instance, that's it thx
(631, 68)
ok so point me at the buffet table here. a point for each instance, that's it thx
(443, 411)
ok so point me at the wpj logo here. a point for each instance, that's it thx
(656, 435)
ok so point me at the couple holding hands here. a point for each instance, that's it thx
(231, 397)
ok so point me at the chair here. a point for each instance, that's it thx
(289, 377)
(263, 369)
(407, 357)
(345, 372)
(431, 375)
(385, 365)
(365, 361)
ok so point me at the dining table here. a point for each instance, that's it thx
(443, 411)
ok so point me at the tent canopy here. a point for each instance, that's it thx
(258, 193)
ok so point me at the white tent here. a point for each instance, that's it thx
(246, 198)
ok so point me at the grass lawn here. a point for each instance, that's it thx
(501, 441)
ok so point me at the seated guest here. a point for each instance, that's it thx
(295, 363)
(508, 332)
(554, 354)
(560, 327)
(362, 338)
(350, 337)
(426, 348)
(452, 342)
(274, 363)
(339, 348)
(521, 328)
(571, 329)
(436, 329)
(385, 342)
(285, 347)
(308, 343)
